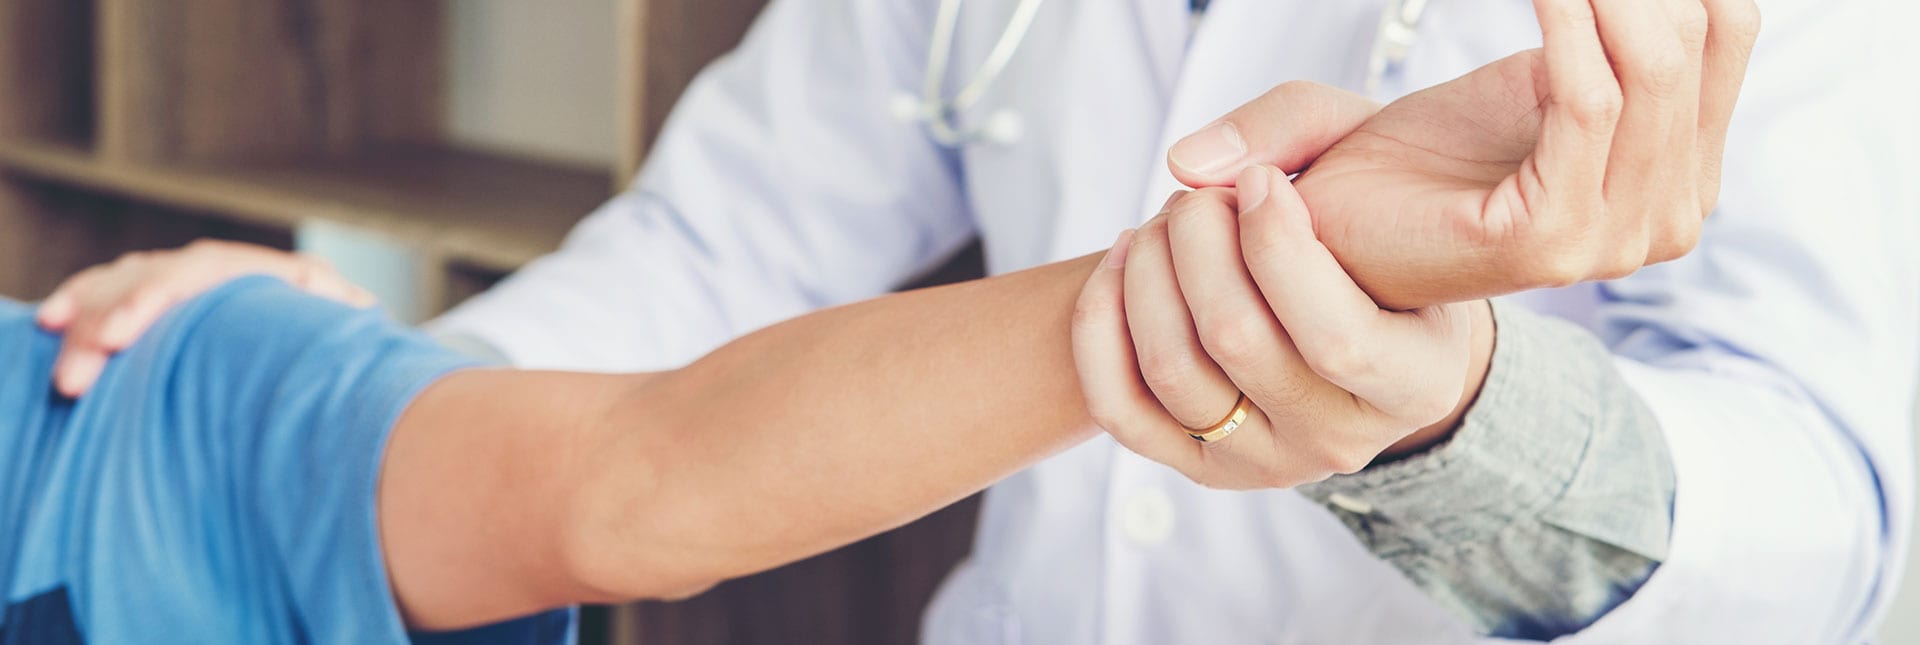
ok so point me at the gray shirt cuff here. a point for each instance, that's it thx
(1549, 506)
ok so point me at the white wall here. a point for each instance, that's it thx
(534, 77)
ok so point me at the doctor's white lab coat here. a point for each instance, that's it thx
(1778, 357)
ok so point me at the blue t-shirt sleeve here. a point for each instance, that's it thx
(219, 483)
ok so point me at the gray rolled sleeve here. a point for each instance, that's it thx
(1550, 504)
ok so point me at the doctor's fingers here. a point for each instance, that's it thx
(79, 363)
(1185, 380)
(1120, 402)
(1231, 321)
(1410, 367)
(93, 324)
(1117, 399)
(1289, 126)
(107, 308)
(1320, 428)
(1653, 171)
(1732, 28)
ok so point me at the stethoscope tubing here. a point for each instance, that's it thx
(1395, 38)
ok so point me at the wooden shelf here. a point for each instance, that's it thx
(488, 210)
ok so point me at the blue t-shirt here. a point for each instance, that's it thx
(218, 484)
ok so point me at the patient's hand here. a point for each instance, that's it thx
(1584, 160)
(106, 308)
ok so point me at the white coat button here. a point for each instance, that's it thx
(1350, 504)
(1147, 517)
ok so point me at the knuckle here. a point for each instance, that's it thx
(1662, 71)
(1708, 186)
(1340, 356)
(1548, 268)
(1092, 311)
(1578, 16)
(1198, 209)
(1597, 108)
(1152, 235)
(1341, 461)
(1623, 262)
(1185, 213)
(146, 296)
(1237, 342)
(1678, 239)
(1170, 372)
(1690, 20)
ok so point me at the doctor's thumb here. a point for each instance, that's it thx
(1288, 127)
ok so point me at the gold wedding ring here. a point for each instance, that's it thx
(1226, 426)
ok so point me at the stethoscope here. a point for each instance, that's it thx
(1399, 29)
(942, 114)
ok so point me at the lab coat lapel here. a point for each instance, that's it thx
(1163, 32)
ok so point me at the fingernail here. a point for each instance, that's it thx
(1213, 148)
(1254, 183)
(1117, 256)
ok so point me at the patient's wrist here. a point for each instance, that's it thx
(1479, 362)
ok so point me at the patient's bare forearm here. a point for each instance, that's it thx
(832, 427)
(506, 492)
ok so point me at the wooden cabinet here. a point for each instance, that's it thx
(129, 124)
(267, 113)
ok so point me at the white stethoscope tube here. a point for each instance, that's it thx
(1399, 29)
(942, 115)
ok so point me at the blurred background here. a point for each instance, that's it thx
(428, 148)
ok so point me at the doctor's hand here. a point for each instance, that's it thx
(1584, 160)
(104, 309)
(1209, 300)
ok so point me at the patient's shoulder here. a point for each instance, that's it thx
(256, 351)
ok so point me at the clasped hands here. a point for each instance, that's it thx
(1348, 305)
